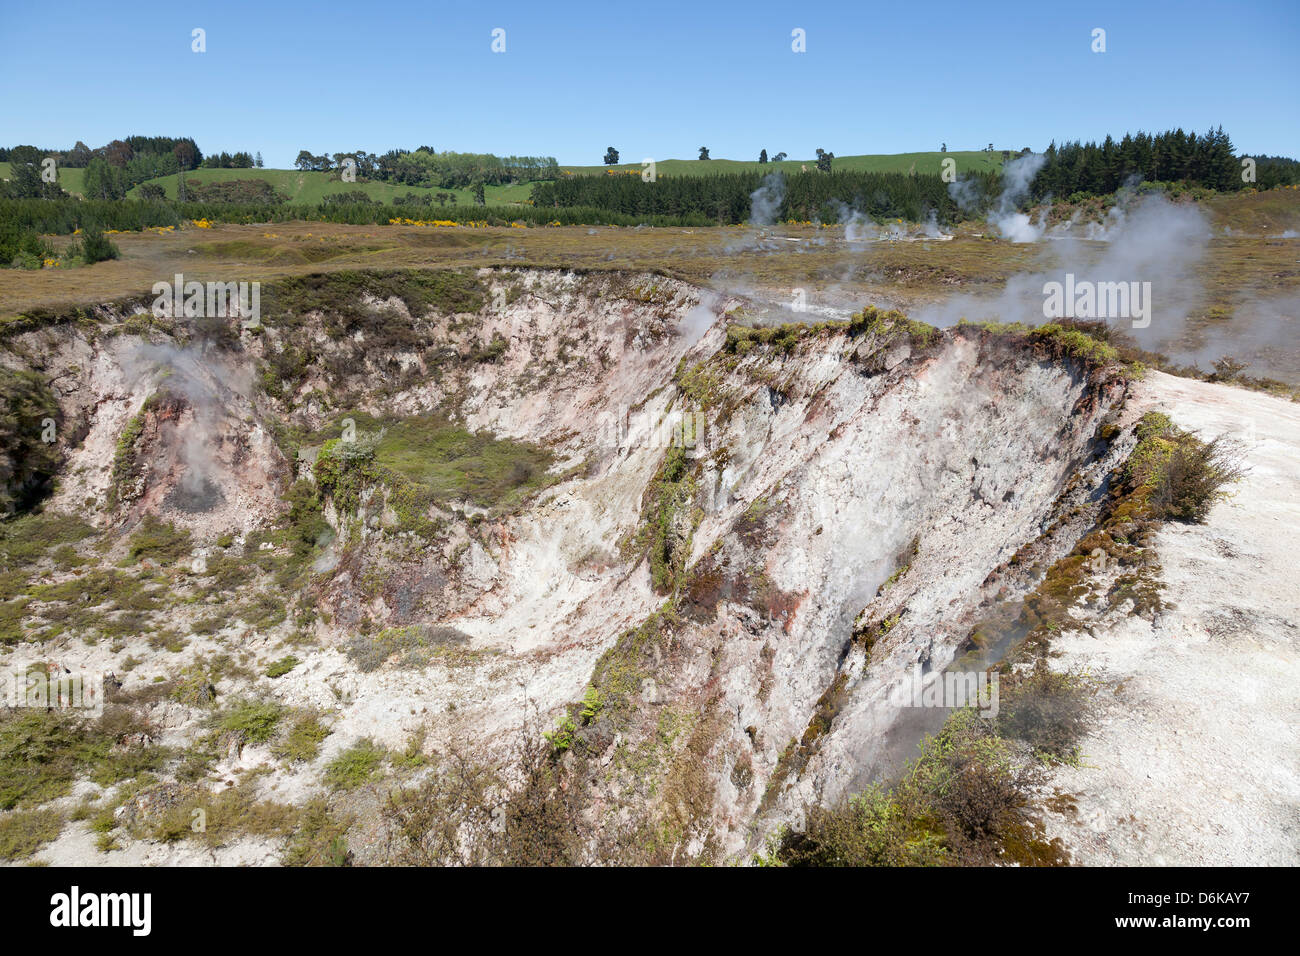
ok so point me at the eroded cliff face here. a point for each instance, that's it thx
(699, 555)
(848, 463)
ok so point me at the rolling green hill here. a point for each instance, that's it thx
(969, 161)
(304, 188)
(311, 188)
(70, 179)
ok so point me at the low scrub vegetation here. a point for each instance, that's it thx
(22, 833)
(340, 296)
(426, 460)
(1180, 476)
(43, 752)
(892, 324)
(357, 765)
(462, 814)
(668, 519)
(1045, 709)
(966, 800)
(785, 338)
(160, 541)
(28, 410)
(412, 646)
(302, 741)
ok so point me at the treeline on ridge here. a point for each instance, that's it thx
(1174, 156)
(726, 198)
(425, 166)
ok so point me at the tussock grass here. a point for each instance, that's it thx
(22, 833)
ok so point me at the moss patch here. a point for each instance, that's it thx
(424, 461)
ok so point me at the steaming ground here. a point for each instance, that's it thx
(1192, 759)
(823, 464)
(1146, 239)
(1017, 177)
(1159, 249)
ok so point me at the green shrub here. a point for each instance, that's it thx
(43, 752)
(282, 666)
(417, 646)
(1195, 477)
(251, 723)
(964, 800)
(319, 838)
(26, 539)
(871, 829)
(447, 819)
(354, 766)
(892, 324)
(264, 610)
(124, 460)
(1181, 476)
(303, 740)
(27, 462)
(1045, 709)
(667, 521)
(95, 247)
(164, 542)
(228, 815)
(1075, 341)
(561, 738)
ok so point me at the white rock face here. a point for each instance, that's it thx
(823, 472)
(948, 465)
(1192, 759)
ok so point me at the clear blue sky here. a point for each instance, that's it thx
(656, 79)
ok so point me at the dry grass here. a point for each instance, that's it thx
(907, 272)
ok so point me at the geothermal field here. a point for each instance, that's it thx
(433, 508)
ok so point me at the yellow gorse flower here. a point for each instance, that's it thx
(435, 222)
